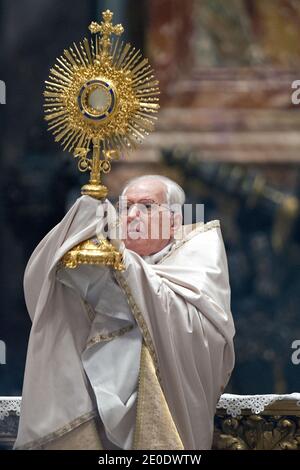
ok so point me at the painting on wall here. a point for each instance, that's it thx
(247, 32)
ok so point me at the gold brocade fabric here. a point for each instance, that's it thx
(84, 437)
(155, 428)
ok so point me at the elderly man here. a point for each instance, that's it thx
(134, 359)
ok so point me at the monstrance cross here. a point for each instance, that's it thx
(106, 28)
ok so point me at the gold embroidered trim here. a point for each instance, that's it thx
(136, 312)
(109, 336)
(84, 437)
(200, 228)
(38, 443)
(138, 420)
(88, 310)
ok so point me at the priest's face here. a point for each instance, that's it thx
(147, 220)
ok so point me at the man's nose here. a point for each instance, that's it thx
(133, 212)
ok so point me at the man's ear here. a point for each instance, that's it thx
(176, 221)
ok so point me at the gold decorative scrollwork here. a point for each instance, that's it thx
(257, 432)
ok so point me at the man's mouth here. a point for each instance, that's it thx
(135, 229)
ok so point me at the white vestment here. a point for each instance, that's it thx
(178, 303)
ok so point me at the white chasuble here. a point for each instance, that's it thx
(148, 351)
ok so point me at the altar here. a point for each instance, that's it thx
(242, 422)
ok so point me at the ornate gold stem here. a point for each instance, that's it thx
(94, 188)
(95, 173)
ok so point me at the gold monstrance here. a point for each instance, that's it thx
(101, 101)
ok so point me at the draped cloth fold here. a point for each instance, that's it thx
(181, 305)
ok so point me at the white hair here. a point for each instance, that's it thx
(174, 193)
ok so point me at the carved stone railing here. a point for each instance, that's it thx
(273, 426)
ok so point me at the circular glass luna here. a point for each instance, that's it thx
(97, 100)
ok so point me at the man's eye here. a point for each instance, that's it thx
(148, 205)
(123, 208)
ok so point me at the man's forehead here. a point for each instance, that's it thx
(148, 189)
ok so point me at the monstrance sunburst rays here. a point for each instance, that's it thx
(101, 97)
